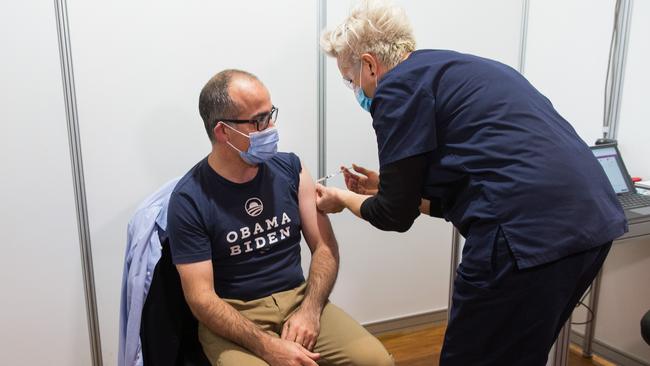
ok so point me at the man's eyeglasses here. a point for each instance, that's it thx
(261, 121)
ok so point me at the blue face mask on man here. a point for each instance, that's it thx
(263, 145)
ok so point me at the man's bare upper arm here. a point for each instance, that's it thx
(197, 280)
(316, 225)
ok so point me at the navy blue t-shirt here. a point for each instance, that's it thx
(251, 231)
(500, 155)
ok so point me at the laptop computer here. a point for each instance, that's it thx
(635, 205)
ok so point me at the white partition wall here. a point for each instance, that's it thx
(566, 58)
(625, 295)
(43, 316)
(140, 67)
(634, 125)
(390, 275)
(485, 28)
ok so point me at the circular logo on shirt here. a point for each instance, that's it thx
(254, 206)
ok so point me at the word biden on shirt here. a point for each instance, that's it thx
(269, 237)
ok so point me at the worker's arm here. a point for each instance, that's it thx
(398, 200)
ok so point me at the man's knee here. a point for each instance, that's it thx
(223, 352)
(238, 358)
(377, 359)
(369, 352)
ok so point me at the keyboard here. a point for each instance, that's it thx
(634, 200)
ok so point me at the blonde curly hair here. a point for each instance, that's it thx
(373, 26)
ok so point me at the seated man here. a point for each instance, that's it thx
(234, 224)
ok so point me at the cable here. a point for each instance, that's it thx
(590, 316)
(611, 64)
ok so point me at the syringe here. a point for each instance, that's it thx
(330, 176)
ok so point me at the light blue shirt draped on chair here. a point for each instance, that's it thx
(143, 250)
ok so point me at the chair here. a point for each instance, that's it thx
(169, 331)
(645, 327)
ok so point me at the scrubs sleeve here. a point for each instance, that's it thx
(396, 205)
(403, 112)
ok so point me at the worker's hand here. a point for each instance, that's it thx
(286, 353)
(303, 328)
(362, 180)
(328, 199)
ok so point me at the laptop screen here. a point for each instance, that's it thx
(608, 158)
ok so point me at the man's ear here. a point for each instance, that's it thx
(219, 132)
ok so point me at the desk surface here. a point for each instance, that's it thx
(637, 227)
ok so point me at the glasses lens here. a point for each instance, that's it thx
(262, 122)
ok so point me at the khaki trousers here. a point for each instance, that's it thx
(342, 341)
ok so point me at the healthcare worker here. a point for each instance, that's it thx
(490, 153)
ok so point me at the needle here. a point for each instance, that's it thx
(330, 176)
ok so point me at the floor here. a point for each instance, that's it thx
(421, 346)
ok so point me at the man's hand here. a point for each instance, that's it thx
(328, 199)
(303, 328)
(285, 353)
(364, 181)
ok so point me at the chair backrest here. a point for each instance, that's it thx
(645, 327)
(169, 330)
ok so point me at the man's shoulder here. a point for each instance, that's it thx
(286, 165)
(286, 161)
(189, 184)
(286, 156)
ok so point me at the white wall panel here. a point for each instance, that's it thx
(568, 46)
(389, 275)
(567, 61)
(625, 295)
(634, 123)
(43, 318)
(140, 66)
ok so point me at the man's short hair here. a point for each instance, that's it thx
(215, 101)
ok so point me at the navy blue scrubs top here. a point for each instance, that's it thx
(499, 155)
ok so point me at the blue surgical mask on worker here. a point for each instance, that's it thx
(364, 100)
(263, 145)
